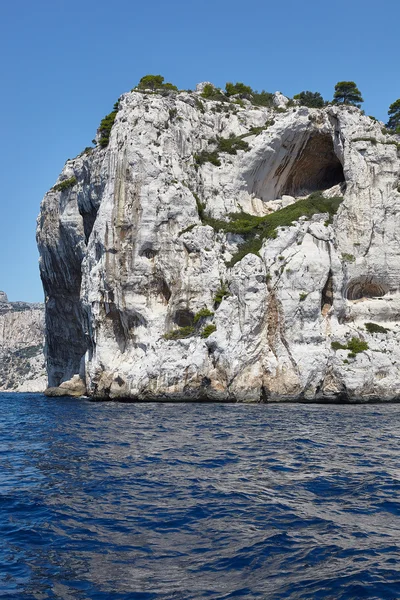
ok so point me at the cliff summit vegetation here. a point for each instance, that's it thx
(347, 92)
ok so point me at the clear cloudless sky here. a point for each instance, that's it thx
(65, 62)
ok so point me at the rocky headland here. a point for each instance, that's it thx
(213, 249)
(22, 363)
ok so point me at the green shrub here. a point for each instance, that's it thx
(237, 88)
(65, 185)
(355, 345)
(221, 293)
(200, 207)
(199, 105)
(212, 93)
(348, 257)
(171, 87)
(204, 156)
(310, 99)
(106, 126)
(232, 144)
(251, 246)
(229, 145)
(256, 229)
(303, 296)
(202, 314)
(87, 150)
(155, 82)
(338, 346)
(181, 333)
(263, 99)
(375, 328)
(394, 116)
(258, 130)
(187, 229)
(208, 330)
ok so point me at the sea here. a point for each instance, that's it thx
(112, 500)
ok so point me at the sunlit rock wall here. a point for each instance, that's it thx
(22, 367)
(126, 260)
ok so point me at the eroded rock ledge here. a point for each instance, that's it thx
(147, 296)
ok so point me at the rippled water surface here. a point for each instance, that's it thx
(190, 501)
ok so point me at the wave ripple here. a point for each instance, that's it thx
(191, 501)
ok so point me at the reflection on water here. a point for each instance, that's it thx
(143, 501)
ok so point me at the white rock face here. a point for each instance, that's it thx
(22, 367)
(126, 259)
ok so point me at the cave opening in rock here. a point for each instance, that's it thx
(295, 167)
(327, 295)
(316, 167)
(183, 318)
(365, 287)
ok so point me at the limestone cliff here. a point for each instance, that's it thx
(22, 367)
(157, 288)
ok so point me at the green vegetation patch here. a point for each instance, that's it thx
(195, 329)
(155, 83)
(237, 88)
(202, 314)
(208, 330)
(256, 229)
(204, 156)
(187, 229)
(229, 145)
(350, 258)
(106, 126)
(65, 185)
(375, 328)
(258, 130)
(221, 293)
(263, 99)
(180, 333)
(232, 144)
(310, 99)
(212, 93)
(355, 345)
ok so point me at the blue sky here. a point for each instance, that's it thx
(65, 62)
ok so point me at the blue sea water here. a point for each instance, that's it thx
(190, 501)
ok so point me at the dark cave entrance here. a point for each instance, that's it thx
(365, 287)
(316, 168)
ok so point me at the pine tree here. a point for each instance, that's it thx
(347, 92)
(394, 116)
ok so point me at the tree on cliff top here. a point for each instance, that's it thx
(155, 82)
(237, 88)
(347, 92)
(394, 116)
(310, 99)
